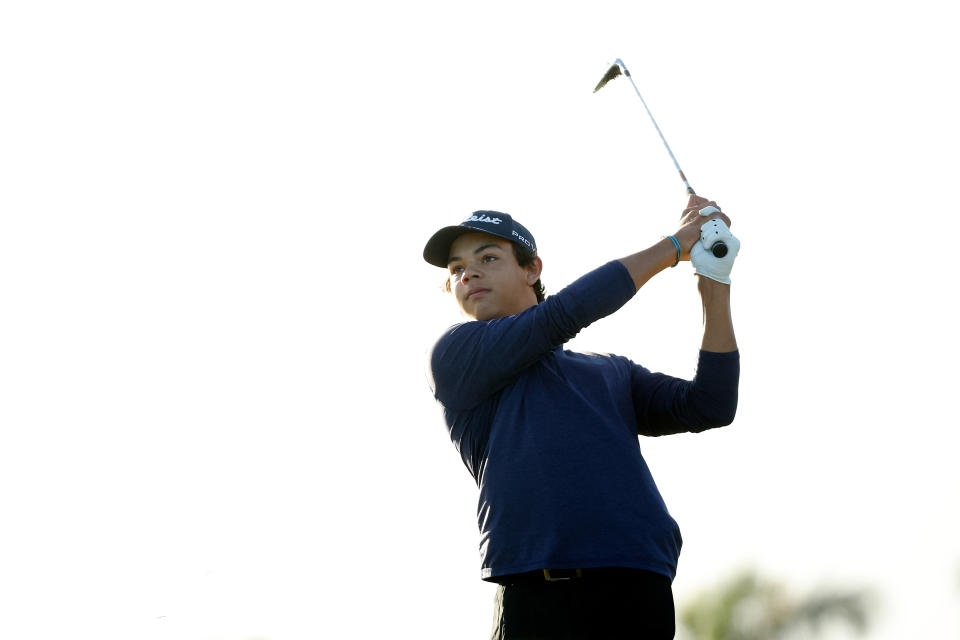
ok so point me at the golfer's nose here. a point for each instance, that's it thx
(468, 273)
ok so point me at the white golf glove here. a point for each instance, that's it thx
(704, 262)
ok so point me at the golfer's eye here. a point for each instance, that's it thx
(488, 258)
(456, 271)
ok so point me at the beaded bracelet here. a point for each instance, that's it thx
(676, 243)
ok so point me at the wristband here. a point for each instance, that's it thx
(676, 243)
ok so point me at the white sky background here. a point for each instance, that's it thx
(214, 421)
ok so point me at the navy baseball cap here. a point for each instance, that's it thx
(495, 223)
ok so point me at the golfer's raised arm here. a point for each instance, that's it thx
(674, 249)
(718, 333)
(645, 264)
(474, 359)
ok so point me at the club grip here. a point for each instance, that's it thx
(718, 248)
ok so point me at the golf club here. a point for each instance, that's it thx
(719, 248)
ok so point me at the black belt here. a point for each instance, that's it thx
(564, 575)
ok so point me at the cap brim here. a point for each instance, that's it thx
(437, 250)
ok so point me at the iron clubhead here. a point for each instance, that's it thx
(611, 73)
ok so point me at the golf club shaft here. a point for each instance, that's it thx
(657, 127)
(719, 248)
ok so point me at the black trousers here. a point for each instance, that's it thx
(599, 606)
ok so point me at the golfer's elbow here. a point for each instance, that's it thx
(724, 419)
(716, 413)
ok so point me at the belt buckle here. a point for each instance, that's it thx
(549, 578)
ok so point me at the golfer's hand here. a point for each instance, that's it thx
(708, 265)
(691, 221)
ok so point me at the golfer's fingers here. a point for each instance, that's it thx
(715, 214)
(693, 215)
(695, 210)
(718, 216)
(694, 200)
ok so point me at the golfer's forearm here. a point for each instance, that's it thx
(649, 262)
(718, 333)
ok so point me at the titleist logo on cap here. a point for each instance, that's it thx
(483, 219)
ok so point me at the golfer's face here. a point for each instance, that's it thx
(486, 279)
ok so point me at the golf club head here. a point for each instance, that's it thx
(611, 73)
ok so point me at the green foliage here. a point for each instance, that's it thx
(747, 607)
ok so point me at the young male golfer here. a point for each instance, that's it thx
(572, 525)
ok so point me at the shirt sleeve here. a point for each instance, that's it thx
(474, 360)
(666, 405)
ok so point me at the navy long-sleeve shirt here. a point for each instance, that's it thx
(550, 436)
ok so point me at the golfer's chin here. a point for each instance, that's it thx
(480, 309)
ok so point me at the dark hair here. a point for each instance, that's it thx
(524, 258)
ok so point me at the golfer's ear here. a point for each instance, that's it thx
(533, 270)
